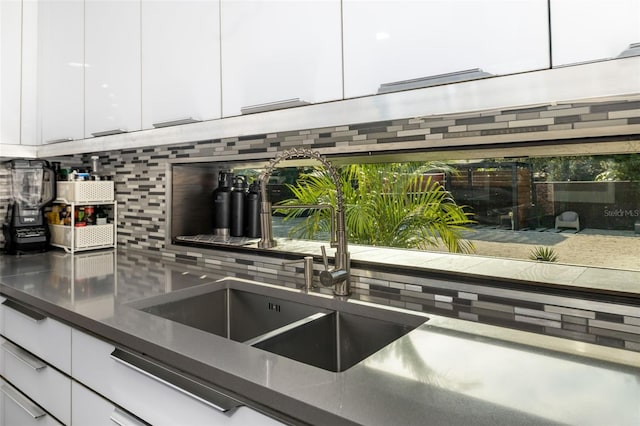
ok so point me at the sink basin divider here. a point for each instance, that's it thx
(268, 335)
(338, 343)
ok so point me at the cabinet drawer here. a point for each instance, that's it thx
(89, 408)
(17, 409)
(97, 365)
(40, 335)
(42, 383)
(2, 299)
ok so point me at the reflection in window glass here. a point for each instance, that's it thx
(584, 210)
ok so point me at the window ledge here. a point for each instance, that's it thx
(584, 278)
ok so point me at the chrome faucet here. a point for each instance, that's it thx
(339, 276)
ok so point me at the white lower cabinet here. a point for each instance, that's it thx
(89, 408)
(45, 385)
(18, 410)
(94, 383)
(43, 336)
(147, 393)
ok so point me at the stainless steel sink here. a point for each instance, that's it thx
(325, 332)
(337, 341)
(236, 314)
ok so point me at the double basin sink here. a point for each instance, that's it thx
(317, 330)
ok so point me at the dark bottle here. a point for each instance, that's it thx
(222, 205)
(252, 211)
(238, 195)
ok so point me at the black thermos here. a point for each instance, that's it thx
(252, 210)
(238, 194)
(222, 205)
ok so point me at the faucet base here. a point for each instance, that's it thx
(267, 244)
(342, 289)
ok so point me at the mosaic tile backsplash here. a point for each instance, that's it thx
(140, 177)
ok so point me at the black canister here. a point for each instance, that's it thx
(222, 205)
(238, 195)
(252, 211)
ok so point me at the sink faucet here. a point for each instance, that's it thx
(339, 276)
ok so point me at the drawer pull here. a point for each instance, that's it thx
(122, 418)
(23, 356)
(31, 314)
(174, 380)
(32, 409)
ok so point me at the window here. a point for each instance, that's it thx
(585, 210)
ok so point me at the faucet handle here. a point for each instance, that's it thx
(324, 258)
(329, 278)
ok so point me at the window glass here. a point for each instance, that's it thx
(576, 210)
(575, 207)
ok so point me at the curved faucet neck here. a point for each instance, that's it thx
(301, 153)
(342, 255)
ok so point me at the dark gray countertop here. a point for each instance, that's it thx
(446, 371)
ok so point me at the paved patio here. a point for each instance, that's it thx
(588, 247)
(599, 248)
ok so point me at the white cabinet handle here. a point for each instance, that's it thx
(32, 315)
(23, 356)
(175, 380)
(59, 140)
(108, 132)
(32, 409)
(176, 122)
(122, 418)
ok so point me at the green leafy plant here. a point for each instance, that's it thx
(392, 205)
(544, 254)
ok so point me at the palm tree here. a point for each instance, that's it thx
(392, 205)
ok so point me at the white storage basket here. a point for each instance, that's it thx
(60, 235)
(85, 236)
(86, 191)
(94, 235)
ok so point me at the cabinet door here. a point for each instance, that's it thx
(89, 408)
(17, 409)
(61, 34)
(10, 58)
(44, 337)
(141, 393)
(112, 73)
(391, 41)
(30, 131)
(2, 299)
(586, 30)
(42, 383)
(280, 50)
(180, 61)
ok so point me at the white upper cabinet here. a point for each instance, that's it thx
(391, 41)
(112, 72)
(180, 61)
(274, 51)
(587, 30)
(10, 59)
(61, 41)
